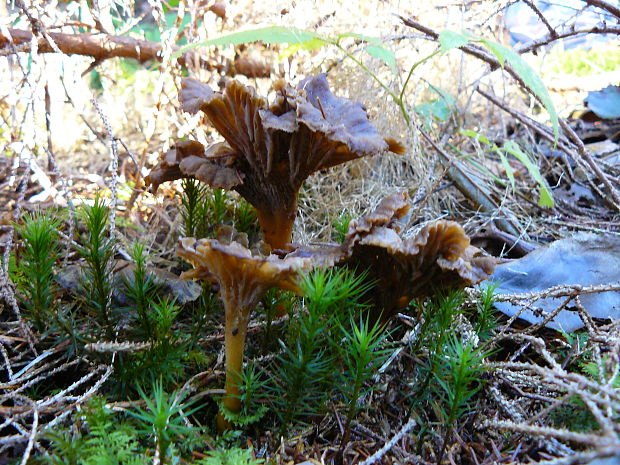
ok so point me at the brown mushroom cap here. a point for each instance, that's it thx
(243, 277)
(438, 256)
(168, 168)
(190, 159)
(271, 149)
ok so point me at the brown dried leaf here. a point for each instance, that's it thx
(253, 65)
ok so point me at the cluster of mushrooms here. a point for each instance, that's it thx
(269, 151)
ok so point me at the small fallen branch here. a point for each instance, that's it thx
(102, 47)
(388, 445)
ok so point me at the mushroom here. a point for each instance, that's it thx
(243, 279)
(271, 149)
(438, 256)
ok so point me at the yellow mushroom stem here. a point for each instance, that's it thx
(234, 342)
(277, 226)
(243, 278)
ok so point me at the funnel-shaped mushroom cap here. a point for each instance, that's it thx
(244, 274)
(237, 270)
(190, 159)
(243, 279)
(168, 168)
(438, 256)
(271, 149)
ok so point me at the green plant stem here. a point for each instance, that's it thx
(395, 97)
(352, 408)
(412, 69)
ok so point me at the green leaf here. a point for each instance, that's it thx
(509, 171)
(497, 50)
(545, 198)
(311, 44)
(450, 39)
(385, 55)
(437, 108)
(475, 135)
(434, 109)
(529, 77)
(269, 34)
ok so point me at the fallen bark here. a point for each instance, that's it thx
(102, 47)
(98, 46)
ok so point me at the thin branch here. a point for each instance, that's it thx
(571, 32)
(552, 32)
(548, 432)
(572, 290)
(583, 153)
(471, 49)
(98, 46)
(603, 5)
(388, 445)
(580, 155)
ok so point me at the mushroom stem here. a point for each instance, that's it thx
(234, 342)
(277, 226)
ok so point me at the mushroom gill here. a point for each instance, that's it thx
(439, 256)
(243, 279)
(271, 149)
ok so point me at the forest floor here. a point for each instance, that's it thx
(113, 366)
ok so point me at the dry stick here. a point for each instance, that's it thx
(21, 190)
(480, 53)
(583, 457)
(100, 47)
(485, 56)
(603, 5)
(550, 316)
(388, 445)
(31, 381)
(572, 290)
(32, 436)
(558, 377)
(583, 153)
(548, 432)
(114, 165)
(570, 32)
(471, 49)
(83, 398)
(7, 361)
(562, 142)
(541, 16)
(70, 206)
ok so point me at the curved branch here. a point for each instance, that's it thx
(603, 5)
(599, 29)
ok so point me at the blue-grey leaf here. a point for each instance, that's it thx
(605, 103)
(584, 259)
